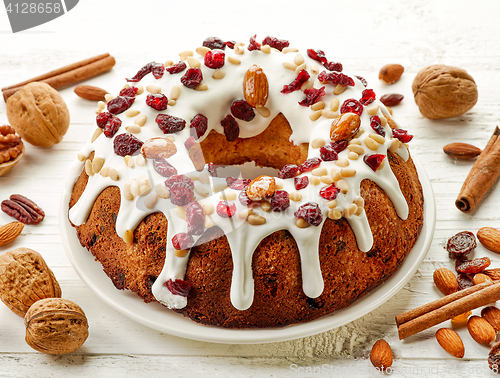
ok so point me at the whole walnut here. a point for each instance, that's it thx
(443, 91)
(39, 114)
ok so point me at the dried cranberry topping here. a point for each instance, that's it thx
(237, 183)
(333, 66)
(243, 198)
(335, 78)
(363, 80)
(328, 153)
(170, 124)
(181, 195)
(176, 68)
(212, 169)
(119, 104)
(103, 118)
(373, 161)
(179, 180)
(195, 218)
(231, 128)
(199, 125)
(301, 78)
(178, 287)
(144, 71)
(310, 212)
(192, 78)
(392, 99)
(112, 127)
(190, 142)
(280, 201)
(230, 44)
(158, 70)
(126, 144)
(157, 101)
(376, 125)
(367, 97)
(242, 110)
(276, 43)
(461, 244)
(288, 171)
(182, 241)
(129, 92)
(351, 106)
(309, 165)
(225, 209)
(402, 135)
(464, 281)
(163, 167)
(300, 182)
(312, 96)
(253, 45)
(339, 146)
(215, 59)
(330, 192)
(474, 266)
(214, 43)
(317, 55)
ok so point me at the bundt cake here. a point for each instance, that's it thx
(160, 201)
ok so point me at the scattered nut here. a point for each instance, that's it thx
(490, 238)
(451, 342)
(391, 73)
(492, 315)
(445, 280)
(88, 92)
(381, 355)
(461, 150)
(480, 330)
(10, 231)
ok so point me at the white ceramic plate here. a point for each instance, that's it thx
(160, 318)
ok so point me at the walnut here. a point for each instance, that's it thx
(24, 279)
(39, 114)
(443, 91)
(56, 326)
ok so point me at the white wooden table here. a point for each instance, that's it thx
(363, 35)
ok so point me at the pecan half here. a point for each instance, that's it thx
(23, 209)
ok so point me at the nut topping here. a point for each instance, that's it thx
(255, 87)
(345, 127)
(158, 147)
(260, 188)
(23, 209)
(390, 73)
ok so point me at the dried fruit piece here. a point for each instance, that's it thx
(192, 78)
(145, 70)
(464, 281)
(231, 128)
(300, 182)
(103, 118)
(230, 44)
(461, 320)
(312, 96)
(376, 125)
(367, 97)
(280, 201)
(129, 92)
(451, 342)
(339, 146)
(200, 125)
(345, 127)
(392, 99)
(330, 192)
(253, 44)
(333, 66)
(461, 150)
(381, 355)
(120, 104)
(261, 188)
(309, 165)
(373, 161)
(288, 171)
(461, 244)
(243, 198)
(474, 266)
(242, 110)
(237, 183)
(170, 124)
(301, 78)
(23, 209)
(310, 212)
(212, 169)
(195, 218)
(178, 287)
(402, 135)
(126, 144)
(176, 68)
(335, 78)
(391, 73)
(189, 143)
(225, 209)
(328, 153)
(181, 190)
(278, 44)
(255, 87)
(164, 168)
(480, 330)
(214, 43)
(363, 80)
(112, 127)
(351, 105)
(215, 59)
(158, 147)
(445, 280)
(157, 101)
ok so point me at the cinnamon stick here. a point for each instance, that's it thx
(445, 308)
(482, 176)
(68, 75)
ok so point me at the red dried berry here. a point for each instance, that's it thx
(330, 192)
(163, 167)
(280, 201)
(231, 128)
(126, 144)
(309, 165)
(339, 146)
(392, 99)
(212, 169)
(464, 281)
(288, 171)
(351, 106)
(461, 244)
(300, 182)
(181, 195)
(310, 212)
(214, 43)
(179, 180)
(145, 70)
(176, 68)
(474, 266)
(376, 125)
(301, 78)
(120, 104)
(158, 70)
(225, 209)
(170, 124)
(317, 55)
(335, 78)
(276, 43)
(243, 198)
(129, 92)
(237, 183)
(190, 142)
(215, 59)
(367, 97)
(373, 161)
(182, 241)
(333, 66)
(402, 135)
(253, 45)
(178, 287)
(199, 125)
(230, 44)
(195, 218)
(112, 127)
(312, 96)
(328, 153)
(363, 80)
(192, 78)
(103, 118)
(157, 101)
(242, 110)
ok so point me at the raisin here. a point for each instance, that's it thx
(231, 128)
(391, 99)
(176, 68)
(376, 125)
(300, 182)
(181, 195)
(170, 124)
(182, 241)
(402, 135)
(288, 171)
(179, 180)
(225, 209)
(328, 153)
(367, 97)
(278, 44)
(474, 266)
(464, 281)
(163, 167)
(351, 106)
(317, 55)
(309, 165)
(112, 127)
(280, 201)
(126, 144)
(335, 78)
(333, 66)
(144, 71)
(120, 104)
(461, 244)
(214, 43)
(242, 110)
(237, 183)
(253, 44)
(339, 146)
(301, 78)
(178, 287)
(330, 192)
(363, 80)
(129, 92)
(373, 161)
(157, 101)
(312, 96)
(195, 218)
(215, 59)
(243, 198)
(459, 261)
(199, 125)
(310, 212)
(192, 78)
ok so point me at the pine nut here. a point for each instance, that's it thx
(317, 143)
(382, 164)
(141, 120)
(301, 223)
(150, 200)
(339, 89)
(175, 92)
(245, 213)
(334, 104)
(263, 111)
(290, 66)
(202, 50)
(378, 138)
(180, 212)
(289, 49)
(307, 85)
(383, 120)
(204, 178)
(233, 60)
(133, 129)
(101, 104)
(360, 202)
(300, 68)
(335, 214)
(181, 252)
(314, 68)
(140, 89)
(342, 162)
(185, 54)
(193, 62)
(354, 141)
(350, 210)
(126, 192)
(81, 157)
(332, 204)
(129, 162)
(326, 179)
(314, 116)
(208, 208)
(134, 187)
(372, 110)
(327, 113)
(266, 206)
(348, 172)
(256, 220)
(218, 74)
(128, 236)
(108, 97)
(321, 171)
(227, 196)
(201, 87)
(295, 196)
(314, 180)
(240, 50)
(96, 135)
(88, 168)
(298, 60)
(266, 49)
(219, 187)
(97, 164)
(320, 105)
(153, 88)
(132, 112)
(168, 63)
(144, 189)
(335, 174)
(352, 155)
(395, 144)
(371, 144)
(343, 186)
(209, 223)
(104, 172)
(161, 191)
(356, 148)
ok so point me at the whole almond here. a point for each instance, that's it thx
(381, 355)
(344, 127)
(445, 280)
(494, 274)
(490, 238)
(10, 231)
(91, 93)
(255, 87)
(461, 150)
(492, 316)
(480, 330)
(158, 147)
(451, 342)
(390, 73)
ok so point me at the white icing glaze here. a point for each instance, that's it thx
(243, 237)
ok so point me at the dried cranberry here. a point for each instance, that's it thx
(157, 101)
(309, 165)
(300, 182)
(215, 59)
(190, 142)
(333, 66)
(192, 78)
(200, 124)
(214, 43)
(120, 104)
(178, 287)
(158, 70)
(464, 281)
(170, 124)
(312, 96)
(225, 209)
(330, 192)
(129, 92)
(280, 201)
(317, 55)
(363, 80)
(288, 171)
(182, 241)
(144, 71)
(351, 106)
(474, 266)
(376, 125)
(402, 135)
(392, 99)
(163, 167)
(339, 146)
(242, 110)
(237, 183)
(195, 218)
(367, 97)
(231, 128)
(373, 161)
(335, 78)
(461, 244)
(181, 195)
(103, 118)
(310, 212)
(179, 180)
(230, 44)
(243, 198)
(112, 127)
(176, 68)
(328, 153)
(126, 144)
(253, 45)
(278, 44)
(301, 78)
(212, 169)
